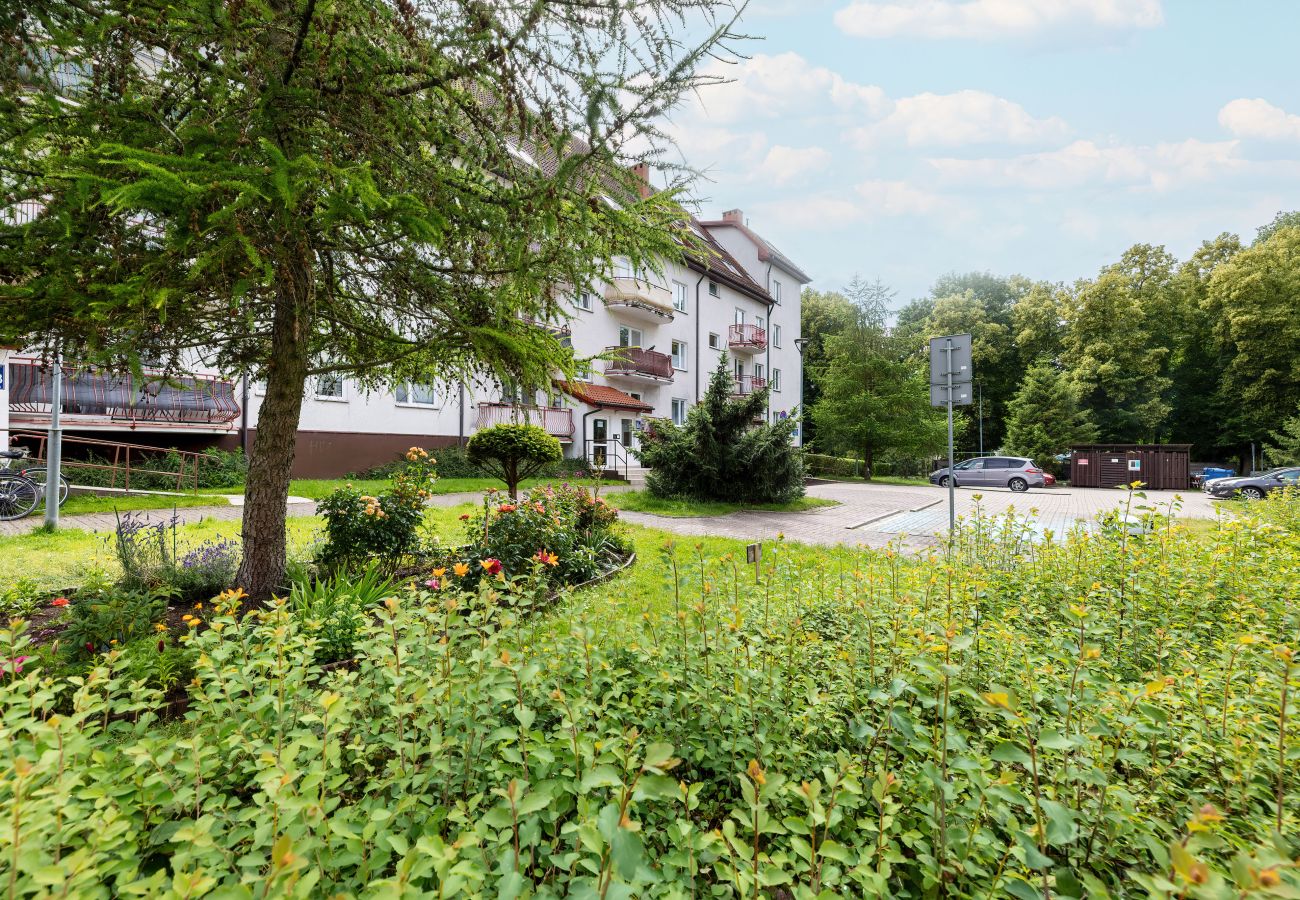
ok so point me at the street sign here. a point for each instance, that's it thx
(962, 369)
(961, 394)
(754, 553)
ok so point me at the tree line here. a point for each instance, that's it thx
(1150, 350)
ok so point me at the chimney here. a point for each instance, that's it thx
(734, 216)
(642, 172)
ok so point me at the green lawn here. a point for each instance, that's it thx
(79, 504)
(908, 480)
(642, 501)
(317, 488)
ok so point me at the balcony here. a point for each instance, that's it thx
(639, 300)
(559, 329)
(746, 339)
(98, 399)
(747, 384)
(557, 420)
(635, 364)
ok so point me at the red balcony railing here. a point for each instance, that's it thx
(747, 337)
(748, 384)
(183, 400)
(556, 420)
(636, 362)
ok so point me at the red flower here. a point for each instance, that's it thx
(491, 565)
(59, 601)
(506, 507)
(15, 665)
(464, 517)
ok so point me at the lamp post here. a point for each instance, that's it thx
(799, 344)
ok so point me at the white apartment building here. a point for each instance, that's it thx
(668, 332)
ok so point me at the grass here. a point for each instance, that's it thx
(318, 488)
(82, 504)
(678, 508)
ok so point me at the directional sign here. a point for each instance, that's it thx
(962, 371)
(961, 394)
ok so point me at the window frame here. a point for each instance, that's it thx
(585, 301)
(714, 290)
(715, 341)
(340, 397)
(776, 380)
(776, 290)
(776, 335)
(673, 346)
(680, 292)
(409, 386)
(675, 404)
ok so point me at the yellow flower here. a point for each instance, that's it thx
(440, 571)
(756, 773)
(160, 627)
(460, 569)
(997, 698)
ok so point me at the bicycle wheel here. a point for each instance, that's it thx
(37, 475)
(18, 496)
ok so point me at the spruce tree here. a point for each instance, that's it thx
(1044, 417)
(387, 190)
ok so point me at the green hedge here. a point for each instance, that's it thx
(834, 466)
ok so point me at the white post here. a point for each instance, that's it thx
(54, 453)
(952, 474)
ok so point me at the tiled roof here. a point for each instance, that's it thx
(766, 250)
(602, 396)
(722, 265)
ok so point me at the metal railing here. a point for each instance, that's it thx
(748, 384)
(122, 460)
(746, 337)
(557, 421)
(609, 456)
(153, 398)
(636, 361)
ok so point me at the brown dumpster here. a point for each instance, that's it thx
(1160, 467)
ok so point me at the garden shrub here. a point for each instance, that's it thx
(153, 558)
(383, 530)
(562, 532)
(513, 452)
(834, 466)
(109, 616)
(333, 610)
(721, 453)
(1104, 715)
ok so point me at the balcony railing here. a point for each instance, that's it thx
(557, 421)
(640, 299)
(748, 384)
(185, 400)
(559, 329)
(744, 338)
(634, 362)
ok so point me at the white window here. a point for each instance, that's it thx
(679, 296)
(715, 342)
(634, 395)
(740, 368)
(329, 387)
(758, 321)
(413, 393)
(740, 316)
(623, 268)
(629, 337)
(776, 336)
(584, 300)
(713, 289)
(776, 379)
(758, 370)
(776, 291)
(679, 355)
(679, 412)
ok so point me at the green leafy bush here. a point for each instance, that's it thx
(562, 532)
(724, 451)
(333, 610)
(833, 466)
(1102, 715)
(102, 619)
(361, 530)
(513, 452)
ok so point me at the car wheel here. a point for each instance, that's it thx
(1252, 493)
(943, 481)
(1019, 485)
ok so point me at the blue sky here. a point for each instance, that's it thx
(903, 139)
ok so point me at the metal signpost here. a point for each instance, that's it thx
(951, 373)
(54, 447)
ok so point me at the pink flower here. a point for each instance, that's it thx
(433, 584)
(15, 665)
(491, 565)
(59, 601)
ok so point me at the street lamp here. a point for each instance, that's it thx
(799, 344)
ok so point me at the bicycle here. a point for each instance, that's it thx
(34, 473)
(19, 495)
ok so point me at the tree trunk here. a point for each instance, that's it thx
(261, 571)
(868, 461)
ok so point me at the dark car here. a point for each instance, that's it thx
(1254, 487)
(1014, 472)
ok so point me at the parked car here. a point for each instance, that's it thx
(1014, 472)
(1049, 480)
(1254, 487)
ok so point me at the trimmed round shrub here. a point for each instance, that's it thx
(513, 452)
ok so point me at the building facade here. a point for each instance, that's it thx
(656, 337)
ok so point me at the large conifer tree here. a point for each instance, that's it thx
(383, 189)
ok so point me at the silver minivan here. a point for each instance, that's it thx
(1014, 472)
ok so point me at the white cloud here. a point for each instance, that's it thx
(868, 201)
(784, 165)
(1086, 164)
(964, 117)
(896, 198)
(993, 19)
(766, 87)
(1259, 119)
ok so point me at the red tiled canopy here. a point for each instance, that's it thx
(602, 396)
